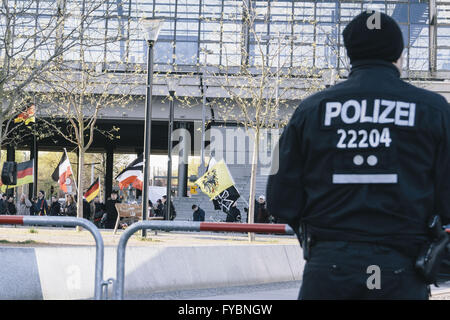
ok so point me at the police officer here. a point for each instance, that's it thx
(362, 167)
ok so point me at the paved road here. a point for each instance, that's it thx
(273, 291)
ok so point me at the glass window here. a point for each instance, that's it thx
(304, 32)
(210, 54)
(302, 56)
(418, 58)
(419, 35)
(186, 52)
(188, 9)
(443, 36)
(443, 12)
(138, 51)
(303, 10)
(210, 31)
(399, 11)
(349, 11)
(280, 11)
(443, 59)
(165, 8)
(211, 9)
(327, 11)
(163, 52)
(375, 5)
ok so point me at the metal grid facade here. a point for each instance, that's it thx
(212, 32)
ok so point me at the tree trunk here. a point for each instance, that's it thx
(80, 185)
(251, 209)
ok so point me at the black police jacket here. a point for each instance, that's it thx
(365, 160)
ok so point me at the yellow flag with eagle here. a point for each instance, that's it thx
(215, 180)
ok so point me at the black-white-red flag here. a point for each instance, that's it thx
(62, 172)
(132, 174)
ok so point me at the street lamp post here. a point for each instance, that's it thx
(150, 28)
(202, 167)
(171, 84)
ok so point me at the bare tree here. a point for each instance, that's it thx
(30, 43)
(261, 90)
(75, 101)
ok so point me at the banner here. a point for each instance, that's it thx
(226, 199)
(92, 191)
(62, 173)
(132, 174)
(215, 180)
(25, 174)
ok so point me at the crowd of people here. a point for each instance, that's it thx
(104, 215)
(38, 206)
(261, 214)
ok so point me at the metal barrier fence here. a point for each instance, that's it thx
(68, 222)
(184, 226)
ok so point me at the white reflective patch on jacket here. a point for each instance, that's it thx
(383, 111)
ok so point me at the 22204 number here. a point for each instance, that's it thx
(363, 138)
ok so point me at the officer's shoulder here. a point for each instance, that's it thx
(427, 97)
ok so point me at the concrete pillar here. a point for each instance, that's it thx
(109, 171)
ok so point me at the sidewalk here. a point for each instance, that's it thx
(21, 236)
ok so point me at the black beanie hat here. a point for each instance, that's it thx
(373, 35)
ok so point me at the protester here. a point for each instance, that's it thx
(151, 211)
(199, 213)
(3, 204)
(42, 203)
(34, 210)
(11, 206)
(173, 212)
(86, 209)
(99, 213)
(55, 207)
(159, 208)
(261, 213)
(24, 206)
(234, 214)
(69, 207)
(111, 211)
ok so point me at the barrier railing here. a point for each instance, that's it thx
(68, 222)
(184, 226)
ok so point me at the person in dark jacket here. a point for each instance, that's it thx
(69, 207)
(99, 211)
(111, 211)
(173, 212)
(234, 214)
(158, 209)
(361, 168)
(198, 214)
(261, 213)
(86, 209)
(4, 204)
(42, 204)
(55, 207)
(34, 209)
(11, 206)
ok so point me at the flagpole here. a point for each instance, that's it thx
(99, 188)
(74, 182)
